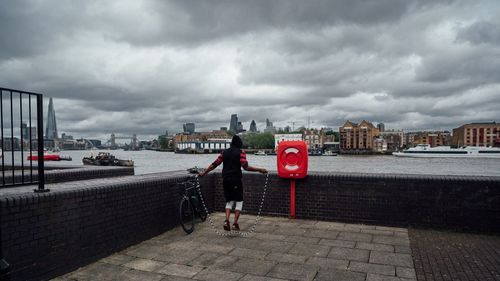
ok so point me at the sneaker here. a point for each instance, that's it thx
(236, 226)
(226, 226)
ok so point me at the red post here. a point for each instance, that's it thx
(292, 199)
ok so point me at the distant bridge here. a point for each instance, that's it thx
(112, 140)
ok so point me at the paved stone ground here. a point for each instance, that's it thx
(280, 249)
(440, 255)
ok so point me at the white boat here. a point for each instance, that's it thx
(425, 150)
(329, 153)
(260, 153)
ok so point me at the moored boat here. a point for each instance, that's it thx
(315, 152)
(106, 159)
(425, 150)
(260, 153)
(50, 157)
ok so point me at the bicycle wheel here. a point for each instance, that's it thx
(186, 215)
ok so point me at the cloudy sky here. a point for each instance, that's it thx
(130, 66)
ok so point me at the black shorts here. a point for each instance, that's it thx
(233, 189)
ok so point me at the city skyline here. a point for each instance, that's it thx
(148, 66)
(234, 121)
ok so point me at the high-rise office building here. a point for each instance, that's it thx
(253, 127)
(189, 128)
(233, 125)
(269, 127)
(268, 123)
(51, 130)
(381, 127)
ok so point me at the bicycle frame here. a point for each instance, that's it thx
(190, 200)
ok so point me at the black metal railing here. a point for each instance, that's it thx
(21, 142)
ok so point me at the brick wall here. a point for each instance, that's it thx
(452, 202)
(49, 234)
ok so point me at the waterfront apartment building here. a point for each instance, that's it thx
(395, 138)
(477, 134)
(313, 139)
(431, 138)
(358, 137)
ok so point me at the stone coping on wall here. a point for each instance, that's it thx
(86, 184)
(54, 174)
(67, 178)
(393, 176)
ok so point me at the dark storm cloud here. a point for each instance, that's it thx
(145, 66)
(481, 32)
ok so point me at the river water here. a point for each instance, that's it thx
(152, 161)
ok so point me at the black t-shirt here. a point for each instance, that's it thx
(233, 159)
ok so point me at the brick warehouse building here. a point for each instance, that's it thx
(477, 134)
(433, 139)
(357, 137)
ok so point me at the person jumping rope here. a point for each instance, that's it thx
(233, 160)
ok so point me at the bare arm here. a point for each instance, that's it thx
(244, 164)
(254, 169)
(212, 166)
(207, 170)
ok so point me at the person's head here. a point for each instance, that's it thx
(236, 142)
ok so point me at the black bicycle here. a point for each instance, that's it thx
(190, 207)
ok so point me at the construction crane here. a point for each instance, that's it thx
(309, 122)
(293, 125)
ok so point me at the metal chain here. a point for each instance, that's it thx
(233, 232)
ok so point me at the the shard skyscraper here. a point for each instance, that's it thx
(51, 130)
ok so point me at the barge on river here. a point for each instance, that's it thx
(106, 159)
(425, 150)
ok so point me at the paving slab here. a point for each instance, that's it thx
(302, 239)
(396, 259)
(213, 260)
(319, 233)
(248, 253)
(377, 277)
(180, 270)
(310, 250)
(176, 256)
(375, 247)
(117, 259)
(327, 263)
(97, 271)
(349, 254)
(251, 266)
(250, 277)
(288, 258)
(391, 240)
(132, 275)
(293, 272)
(339, 275)
(358, 237)
(337, 243)
(372, 268)
(217, 275)
(144, 264)
(281, 249)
